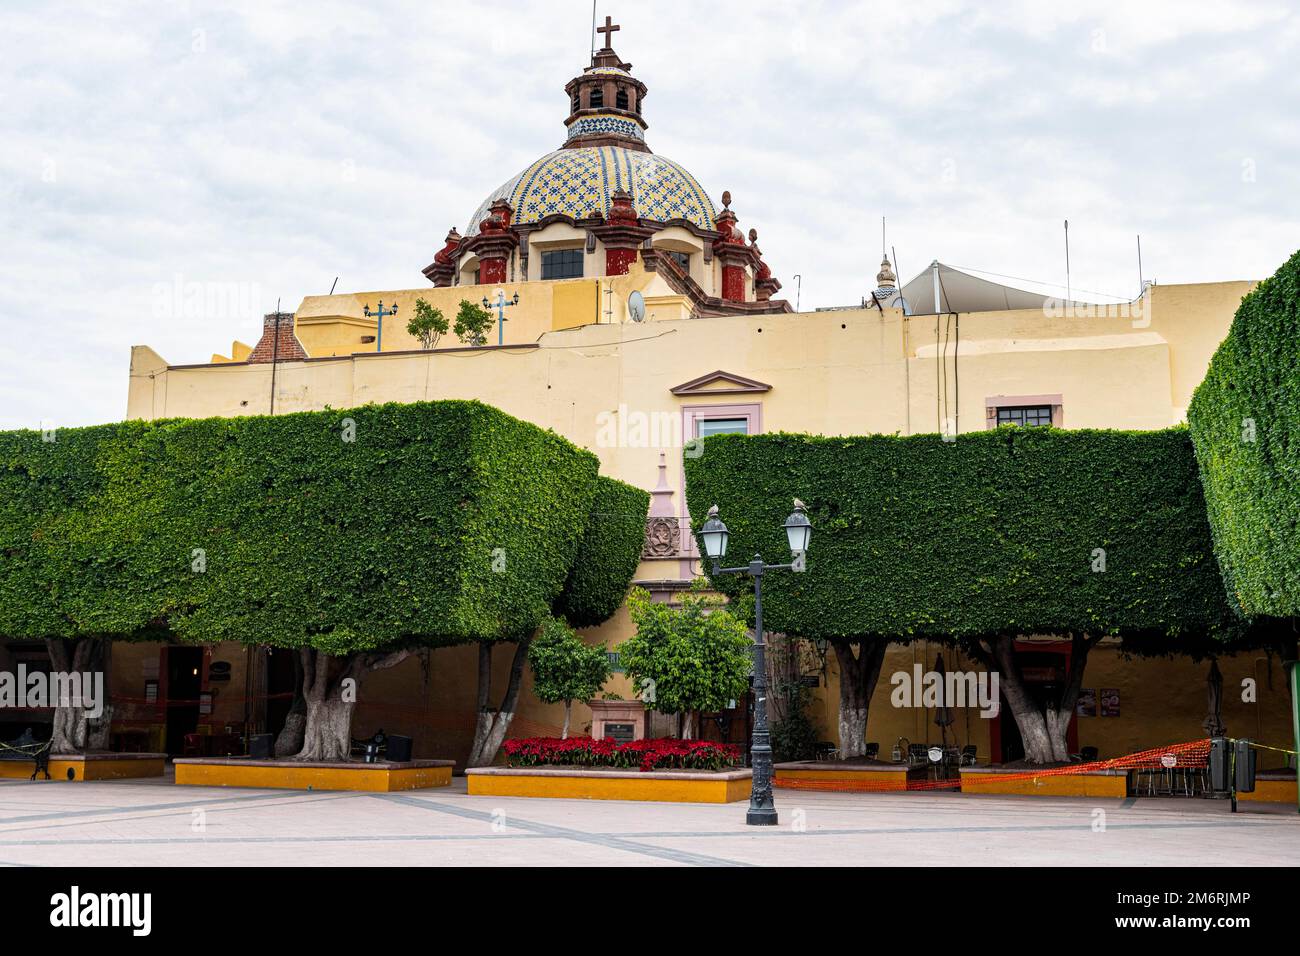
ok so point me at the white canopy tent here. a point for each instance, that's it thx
(961, 291)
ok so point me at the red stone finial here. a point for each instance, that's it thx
(621, 208)
(448, 252)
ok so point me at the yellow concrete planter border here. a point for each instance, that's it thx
(1272, 786)
(1093, 783)
(380, 777)
(670, 786)
(74, 767)
(882, 777)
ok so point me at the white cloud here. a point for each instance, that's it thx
(267, 147)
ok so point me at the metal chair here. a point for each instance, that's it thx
(873, 751)
(968, 756)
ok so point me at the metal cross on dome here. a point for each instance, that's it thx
(609, 29)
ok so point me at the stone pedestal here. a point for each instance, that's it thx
(617, 719)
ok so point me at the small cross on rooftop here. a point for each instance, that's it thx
(609, 29)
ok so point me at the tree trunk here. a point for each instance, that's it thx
(1044, 725)
(491, 726)
(290, 739)
(688, 724)
(74, 731)
(568, 712)
(858, 676)
(327, 730)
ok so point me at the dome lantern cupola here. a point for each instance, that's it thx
(605, 101)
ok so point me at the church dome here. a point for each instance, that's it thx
(577, 181)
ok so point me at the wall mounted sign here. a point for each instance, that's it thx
(1086, 705)
(1110, 701)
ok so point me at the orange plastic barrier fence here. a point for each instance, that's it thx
(1194, 754)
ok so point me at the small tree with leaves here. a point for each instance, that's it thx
(696, 657)
(472, 323)
(428, 324)
(564, 668)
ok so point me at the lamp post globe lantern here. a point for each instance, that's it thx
(715, 535)
(798, 528)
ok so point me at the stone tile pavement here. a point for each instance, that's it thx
(154, 822)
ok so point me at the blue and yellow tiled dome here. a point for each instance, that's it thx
(575, 181)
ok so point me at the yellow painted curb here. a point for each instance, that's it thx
(1058, 785)
(595, 785)
(285, 775)
(880, 779)
(91, 767)
(1271, 791)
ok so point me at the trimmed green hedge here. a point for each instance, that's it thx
(437, 523)
(993, 533)
(607, 555)
(50, 586)
(1243, 419)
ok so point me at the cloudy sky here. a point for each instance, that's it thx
(255, 151)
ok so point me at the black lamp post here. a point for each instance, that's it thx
(762, 809)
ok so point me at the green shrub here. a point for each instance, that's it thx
(995, 533)
(1243, 419)
(380, 526)
(607, 556)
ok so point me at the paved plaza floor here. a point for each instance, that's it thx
(154, 822)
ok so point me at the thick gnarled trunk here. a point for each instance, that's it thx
(1043, 725)
(329, 687)
(491, 725)
(74, 730)
(859, 674)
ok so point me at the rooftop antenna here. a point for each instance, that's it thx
(1068, 294)
(1141, 285)
(882, 238)
(336, 282)
(798, 290)
(593, 29)
(898, 271)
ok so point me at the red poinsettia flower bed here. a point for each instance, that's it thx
(664, 754)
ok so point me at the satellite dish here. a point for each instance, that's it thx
(636, 306)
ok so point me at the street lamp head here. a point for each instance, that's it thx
(715, 535)
(486, 303)
(798, 528)
(515, 300)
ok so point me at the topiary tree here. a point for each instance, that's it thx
(564, 668)
(603, 566)
(52, 584)
(472, 323)
(1243, 420)
(353, 537)
(428, 324)
(608, 554)
(1016, 531)
(685, 659)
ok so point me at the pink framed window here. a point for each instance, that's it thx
(701, 421)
